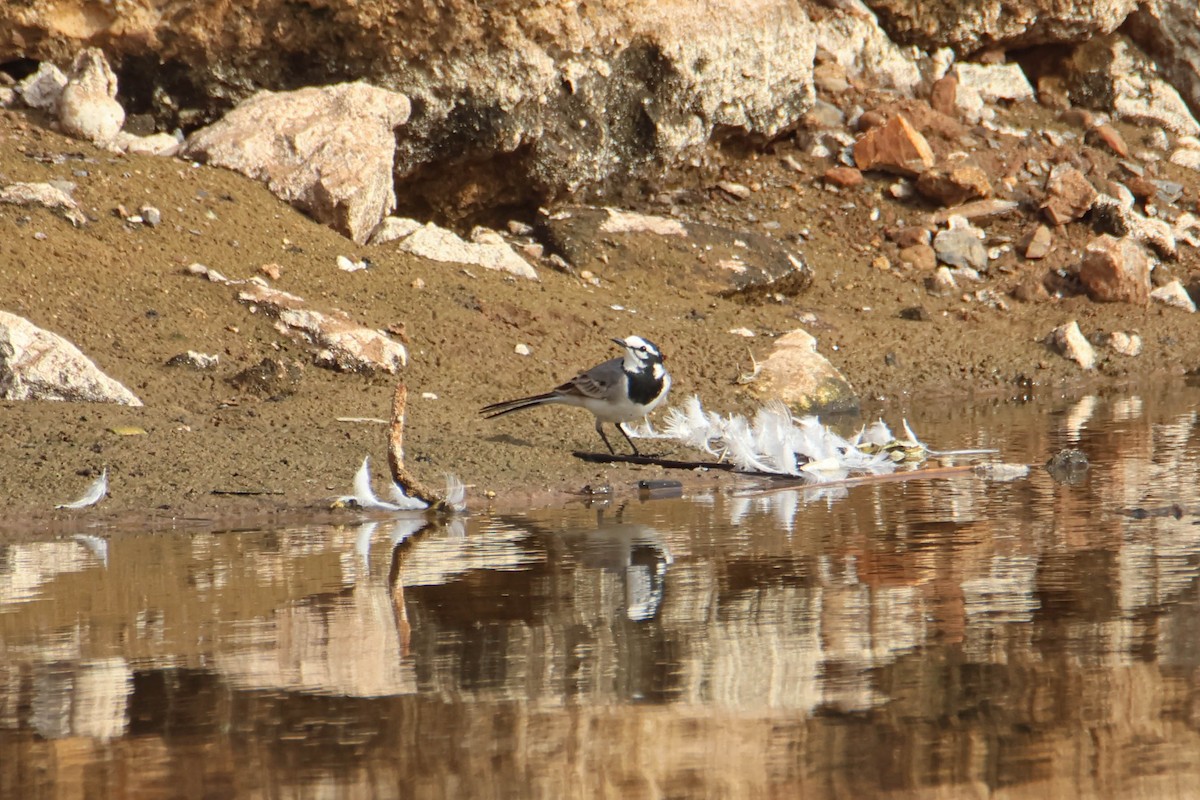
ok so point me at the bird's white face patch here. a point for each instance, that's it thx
(658, 371)
(639, 347)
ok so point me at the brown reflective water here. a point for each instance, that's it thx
(956, 638)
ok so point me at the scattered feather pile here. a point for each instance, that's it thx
(776, 442)
(364, 496)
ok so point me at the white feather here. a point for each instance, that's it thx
(456, 494)
(94, 494)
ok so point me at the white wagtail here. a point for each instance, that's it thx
(619, 390)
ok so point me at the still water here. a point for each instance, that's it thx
(953, 638)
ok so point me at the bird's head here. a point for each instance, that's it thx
(640, 353)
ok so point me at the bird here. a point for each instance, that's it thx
(619, 390)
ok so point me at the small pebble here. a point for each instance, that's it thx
(523, 350)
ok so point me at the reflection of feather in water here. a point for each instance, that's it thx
(95, 544)
(94, 494)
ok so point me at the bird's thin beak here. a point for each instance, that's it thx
(621, 342)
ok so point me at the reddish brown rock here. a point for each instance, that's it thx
(846, 177)
(955, 185)
(1111, 139)
(870, 119)
(910, 235)
(1079, 117)
(1052, 92)
(1069, 195)
(919, 256)
(942, 95)
(895, 147)
(1116, 270)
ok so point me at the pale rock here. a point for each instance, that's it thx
(156, 144)
(328, 150)
(895, 146)
(1125, 344)
(1141, 96)
(439, 244)
(393, 229)
(1004, 24)
(1169, 31)
(1070, 342)
(340, 343)
(994, 81)
(1186, 157)
(1173, 294)
(961, 245)
(631, 222)
(940, 62)
(1116, 270)
(8, 96)
(954, 185)
(43, 194)
(1069, 195)
(978, 209)
(806, 381)
(941, 282)
(860, 47)
(1039, 243)
(36, 364)
(42, 89)
(88, 108)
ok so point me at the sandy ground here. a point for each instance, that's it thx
(120, 292)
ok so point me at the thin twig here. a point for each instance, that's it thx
(669, 463)
(412, 487)
(791, 481)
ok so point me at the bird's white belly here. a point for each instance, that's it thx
(623, 410)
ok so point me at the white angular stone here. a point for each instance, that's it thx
(1070, 342)
(994, 81)
(1173, 294)
(1141, 96)
(438, 244)
(341, 343)
(42, 89)
(36, 364)
(631, 222)
(43, 194)
(1125, 344)
(394, 228)
(156, 144)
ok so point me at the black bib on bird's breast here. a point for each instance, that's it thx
(643, 386)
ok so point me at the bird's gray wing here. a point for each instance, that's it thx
(597, 383)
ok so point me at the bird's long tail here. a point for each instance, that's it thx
(509, 406)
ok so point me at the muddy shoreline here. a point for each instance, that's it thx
(121, 292)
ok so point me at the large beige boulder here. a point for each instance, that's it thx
(327, 150)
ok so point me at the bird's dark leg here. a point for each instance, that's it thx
(600, 430)
(625, 433)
